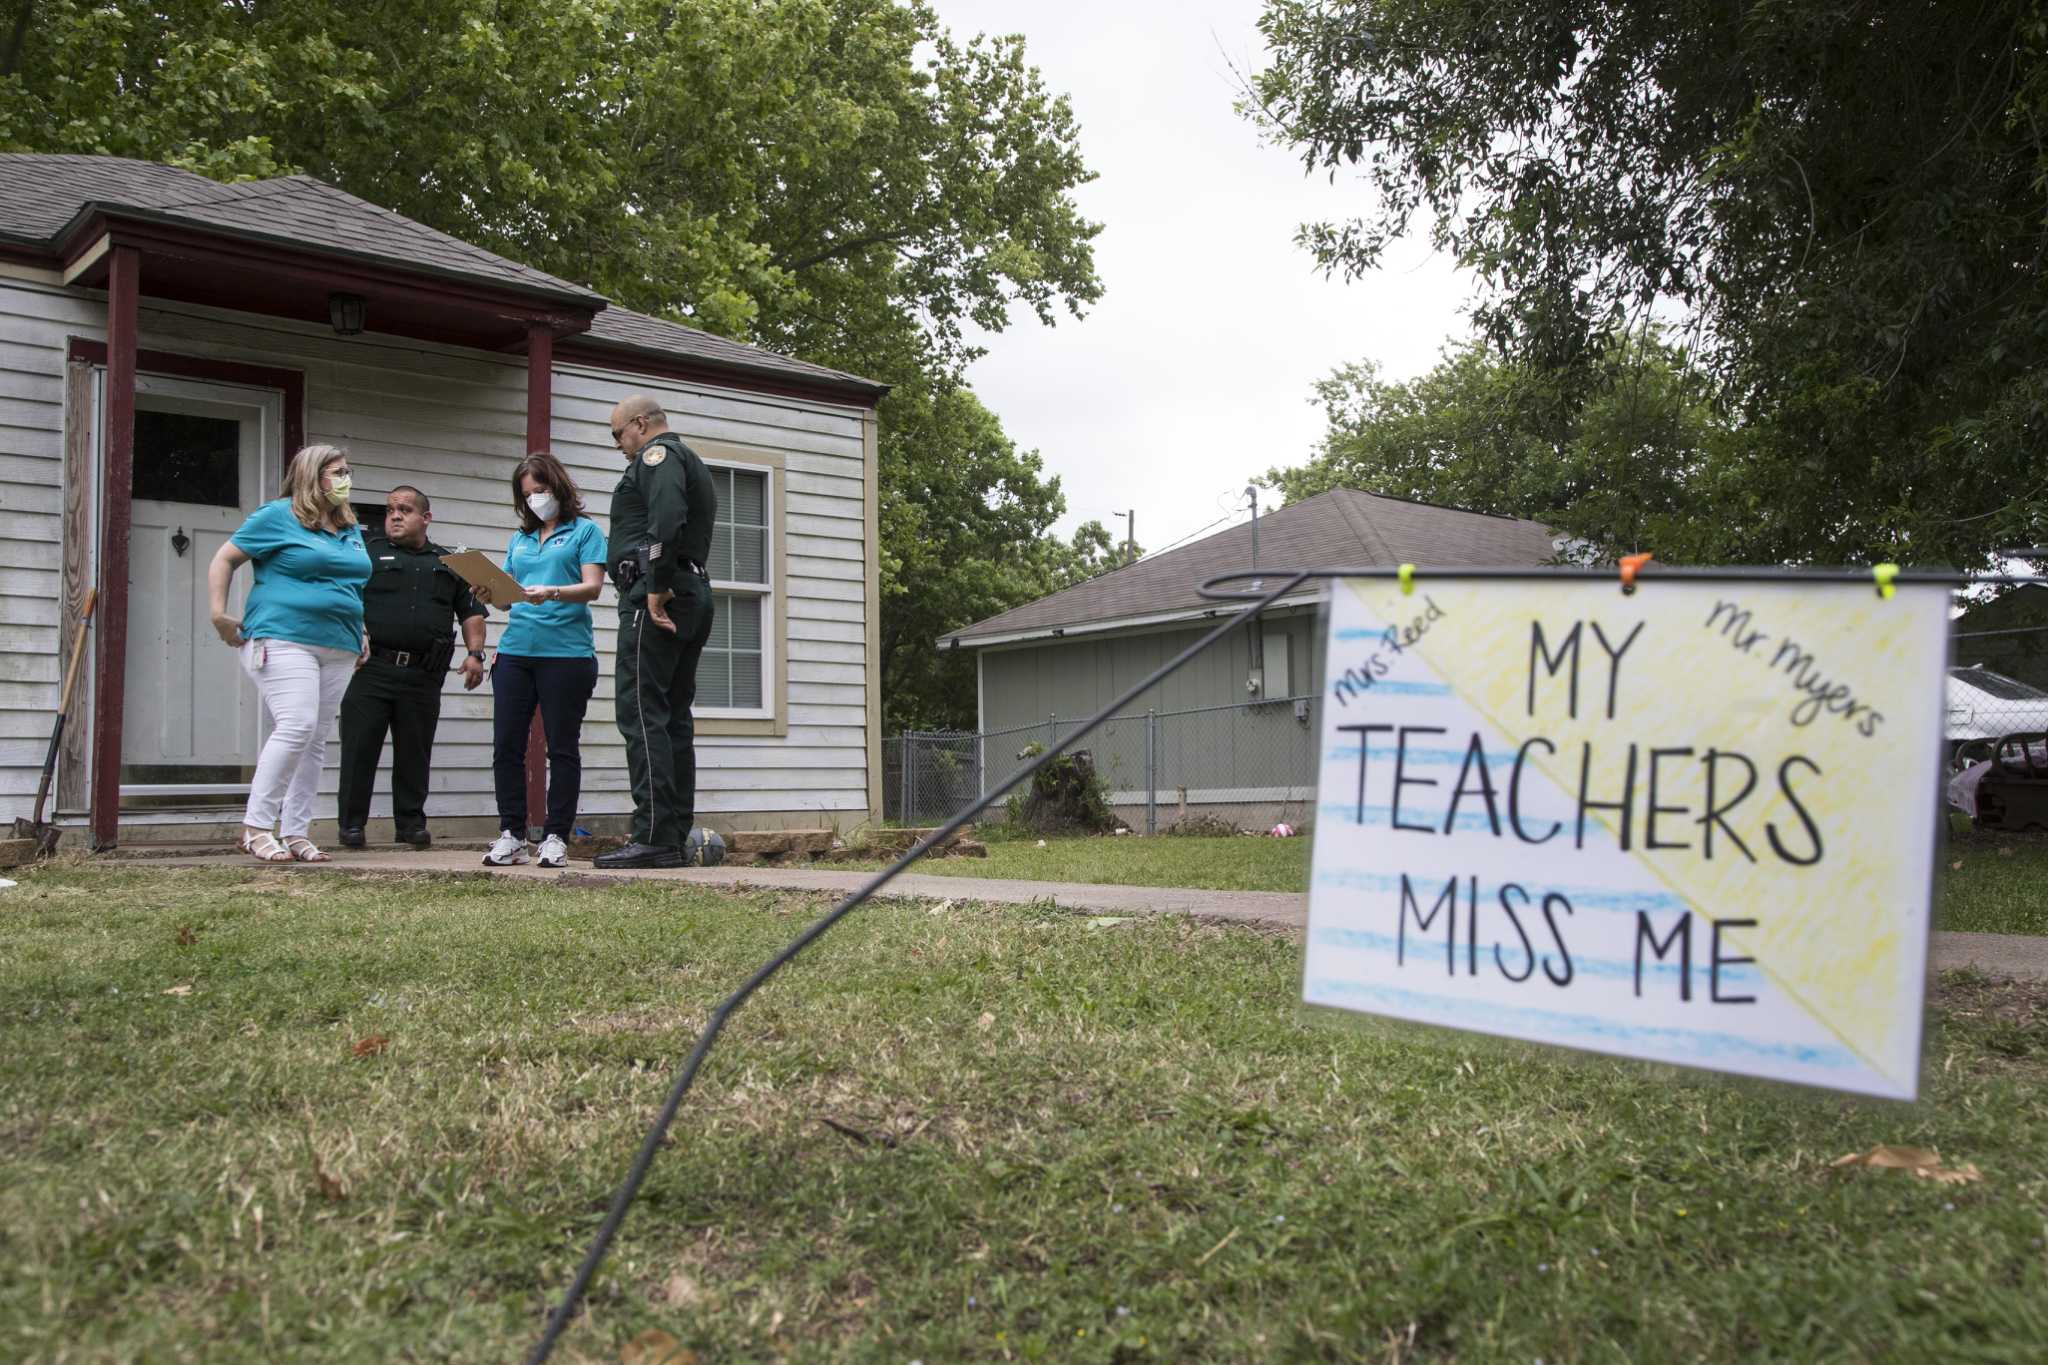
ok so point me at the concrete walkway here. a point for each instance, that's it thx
(2018, 956)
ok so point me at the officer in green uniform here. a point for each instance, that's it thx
(662, 514)
(409, 605)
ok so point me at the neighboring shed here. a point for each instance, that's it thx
(166, 342)
(1231, 727)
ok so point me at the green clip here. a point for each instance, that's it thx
(1406, 573)
(1884, 574)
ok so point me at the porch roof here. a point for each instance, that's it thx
(281, 246)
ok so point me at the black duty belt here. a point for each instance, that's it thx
(405, 658)
(635, 564)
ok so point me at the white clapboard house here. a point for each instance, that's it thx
(167, 341)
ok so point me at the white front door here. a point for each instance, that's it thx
(206, 455)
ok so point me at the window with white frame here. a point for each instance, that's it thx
(733, 674)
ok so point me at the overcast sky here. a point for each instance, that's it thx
(1193, 374)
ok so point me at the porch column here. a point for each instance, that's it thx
(540, 392)
(110, 654)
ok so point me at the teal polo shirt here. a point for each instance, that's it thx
(309, 584)
(552, 630)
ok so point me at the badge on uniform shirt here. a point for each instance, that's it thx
(654, 456)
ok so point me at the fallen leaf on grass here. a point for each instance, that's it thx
(681, 1291)
(941, 908)
(1923, 1162)
(371, 1046)
(1106, 921)
(186, 936)
(986, 1022)
(1955, 866)
(179, 990)
(656, 1347)
(1041, 843)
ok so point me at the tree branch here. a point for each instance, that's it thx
(11, 57)
(846, 248)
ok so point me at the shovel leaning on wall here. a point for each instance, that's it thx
(44, 836)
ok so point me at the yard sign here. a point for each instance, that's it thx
(1694, 824)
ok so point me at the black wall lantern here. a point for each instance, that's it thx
(346, 312)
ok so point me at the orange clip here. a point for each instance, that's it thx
(1629, 565)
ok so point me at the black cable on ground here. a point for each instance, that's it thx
(623, 1200)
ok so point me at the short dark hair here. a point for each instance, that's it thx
(548, 472)
(426, 503)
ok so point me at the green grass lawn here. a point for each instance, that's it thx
(960, 1134)
(1990, 883)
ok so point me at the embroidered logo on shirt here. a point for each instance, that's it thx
(654, 456)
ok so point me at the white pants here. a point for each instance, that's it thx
(301, 687)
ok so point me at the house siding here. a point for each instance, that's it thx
(454, 422)
(1207, 743)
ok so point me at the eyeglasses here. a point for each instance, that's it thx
(617, 432)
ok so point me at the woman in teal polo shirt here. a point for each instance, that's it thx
(547, 657)
(300, 636)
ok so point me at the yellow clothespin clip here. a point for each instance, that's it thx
(1884, 574)
(1406, 574)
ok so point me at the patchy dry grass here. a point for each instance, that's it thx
(976, 1134)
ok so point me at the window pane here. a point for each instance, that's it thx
(746, 679)
(182, 458)
(748, 500)
(719, 566)
(749, 555)
(744, 613)
(714, 679)
(721, 624)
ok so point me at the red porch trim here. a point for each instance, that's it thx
(292, 383)
(124, 280)
(540, 402)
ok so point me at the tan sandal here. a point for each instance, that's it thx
(304, 849)
(263, 846)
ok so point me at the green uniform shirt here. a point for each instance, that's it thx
(412, 598)
(664, 498)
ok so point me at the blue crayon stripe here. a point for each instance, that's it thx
(1471, 816)
(1581, 897)
(1395, 687)
(1732, 977)
(1522, 1021)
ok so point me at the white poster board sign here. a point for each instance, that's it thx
(1694, 825)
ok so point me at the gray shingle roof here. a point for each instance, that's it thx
(623, 328)
(1343, 527)
(40, 195)
(46, 192)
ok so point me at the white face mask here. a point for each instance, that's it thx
(544, 505)
(338, 491)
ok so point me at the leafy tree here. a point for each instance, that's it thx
(1844, 203)
(837, 179)
(1612, 463)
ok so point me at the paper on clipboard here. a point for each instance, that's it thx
(475, 568)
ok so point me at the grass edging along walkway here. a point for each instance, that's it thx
(1988, 883)
(251, 1115)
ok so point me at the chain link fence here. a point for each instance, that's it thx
(1247, 765)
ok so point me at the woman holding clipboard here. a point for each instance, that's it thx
(547, 657)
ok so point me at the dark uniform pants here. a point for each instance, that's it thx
(656, 674)
(406, 702)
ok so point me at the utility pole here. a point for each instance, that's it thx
(1130, 534)
(1251, 490)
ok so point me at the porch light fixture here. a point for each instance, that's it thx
(346, 312)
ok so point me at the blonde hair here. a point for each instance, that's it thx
(302, 488)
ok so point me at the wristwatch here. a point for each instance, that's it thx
(477, 654)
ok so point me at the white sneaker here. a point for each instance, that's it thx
(553, 852)
(509, 851)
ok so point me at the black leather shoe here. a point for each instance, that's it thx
(418, 838)
(637, 856)
(353, 838)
